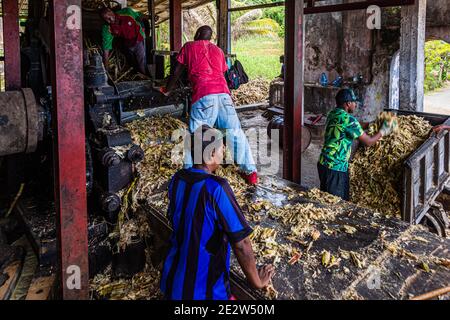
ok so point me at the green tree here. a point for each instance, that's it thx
(437, 64)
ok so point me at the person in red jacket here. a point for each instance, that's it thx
(211, 101)
(126, 25)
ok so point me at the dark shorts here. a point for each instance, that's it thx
(137, 56)
(334, 182)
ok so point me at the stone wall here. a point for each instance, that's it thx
(341, 44)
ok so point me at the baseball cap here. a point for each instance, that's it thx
(345, 95)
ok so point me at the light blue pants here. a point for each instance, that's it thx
(217, 110)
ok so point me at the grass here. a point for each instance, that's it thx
(260, 56)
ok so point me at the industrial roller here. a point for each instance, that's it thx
(21, 123)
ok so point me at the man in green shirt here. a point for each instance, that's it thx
(341, 129)
(126, 25)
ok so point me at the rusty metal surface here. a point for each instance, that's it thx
(33, 123)
(19, 123)
(69, 147)
(11, 42)
(293, 92)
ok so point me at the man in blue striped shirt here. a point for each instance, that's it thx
(206, 219)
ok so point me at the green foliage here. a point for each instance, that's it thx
(277, 14)
(237, 14)
(262, 27)
(437, 64)
(259, 55)
(162, 36)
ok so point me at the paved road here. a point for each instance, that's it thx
(438, 101)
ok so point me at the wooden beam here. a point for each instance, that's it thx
(222, 24)
(258, 6)
(151, 13)
(310, 3)
(69, 147)
(332, 8)
(293, 90)
(412, 56)
(362, 5)
(176, 31)
(11, 42)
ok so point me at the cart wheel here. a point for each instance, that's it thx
(437, 221)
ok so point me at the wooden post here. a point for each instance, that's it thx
(293, 92)
(11, 41)
(223, 25)
(69, 147)
(412, 56)
(176, 31)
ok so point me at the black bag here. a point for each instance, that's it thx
(236, 76)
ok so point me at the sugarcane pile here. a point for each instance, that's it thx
(321, 196)
(268, 248)
(237, 183)
(376, 172)
(255, 91)
(142, 286)
(302, 221)
(131, 227)
(161, 161)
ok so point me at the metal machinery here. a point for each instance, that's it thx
(25, 120)
(108, 108)
(27, 126)
(21, 122)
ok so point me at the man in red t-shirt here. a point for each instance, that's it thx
(211, 101)
(126, 25)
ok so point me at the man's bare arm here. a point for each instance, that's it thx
(246, 258)
(440, 128)
(369, 140)
(176, 76)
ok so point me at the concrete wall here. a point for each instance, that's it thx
(341, 44)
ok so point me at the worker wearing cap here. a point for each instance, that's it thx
(341, 130)
(206, 219)
(125, 24)
(211, 100)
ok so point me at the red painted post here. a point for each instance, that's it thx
(176, 31)
(69, 147)
(293, 109)
(11, 43)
